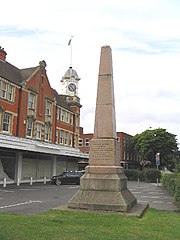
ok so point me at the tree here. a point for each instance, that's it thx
(150, 142)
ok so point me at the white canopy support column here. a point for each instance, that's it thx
(18, 171)
(53, 165)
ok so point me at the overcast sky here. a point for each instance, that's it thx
(145, 39)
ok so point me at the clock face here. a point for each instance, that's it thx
(72, 87)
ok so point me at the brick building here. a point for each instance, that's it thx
(128, 158)
(39, 129)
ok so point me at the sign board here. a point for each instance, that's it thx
(157, 159)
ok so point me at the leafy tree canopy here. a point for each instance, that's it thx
(150, 142)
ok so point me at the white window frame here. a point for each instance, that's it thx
(3, 89)
(10, 92)
(87, 142)
(38, 131)
(124, 142)
(7, 122)
(66, 135)
(62, 115)
(31, 101)
(67, 117)
(47, 132)
(80, 142)
(58, 113)
(57, 135)
(61, 136)
(29, 127)
(48, 108)
(77, 120)
(70, 139)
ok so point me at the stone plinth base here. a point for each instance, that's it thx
(104, 191)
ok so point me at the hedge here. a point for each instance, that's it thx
(147, 175)
(171, 182)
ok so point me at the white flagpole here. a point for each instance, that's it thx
(70, 44)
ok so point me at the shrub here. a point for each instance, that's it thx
(168, 181)
(132, 174)
(151, 175)
(171, 182)
(148, 175)
(177, 188)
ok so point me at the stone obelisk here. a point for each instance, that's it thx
(104, 184)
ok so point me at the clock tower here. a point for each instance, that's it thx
(70, 83)
(70, 97)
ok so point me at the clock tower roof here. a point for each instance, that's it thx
(69, 74)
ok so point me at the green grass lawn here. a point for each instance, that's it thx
(71, 225)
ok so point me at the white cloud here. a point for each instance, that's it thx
(144, 37)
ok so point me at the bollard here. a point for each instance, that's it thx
(31, 180)
(44, 180)
(4, 182)
(17, 181)
(138, 182)
(157, 182)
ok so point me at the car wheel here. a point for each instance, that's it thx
(58, 181)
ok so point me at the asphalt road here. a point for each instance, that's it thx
(34, 199)
(38, 198)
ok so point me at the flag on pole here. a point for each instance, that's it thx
(69, 43)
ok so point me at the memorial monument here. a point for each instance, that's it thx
(104, 184)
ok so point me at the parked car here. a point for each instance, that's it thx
(72, 177)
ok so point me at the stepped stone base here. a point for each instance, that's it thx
(105, 191)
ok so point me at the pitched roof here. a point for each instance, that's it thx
(60, 99)
(26, 73)
(10, 72)
(14, 74)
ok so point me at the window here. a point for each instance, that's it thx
(3, 89)
(10, 93)
(57, 113)
(67, 117)
(77, 120)
(29, 127)
(66, 138)
(31, 103)
(48, 108)
(6, 122)
(124, 155)
(127, 142)
(123, 141)
(62, 115)
(87, 142)
(61, 137)
(7, 91)
(38, 131)
(47, 132)
(80, 142)
(57, 134)
(71, 140)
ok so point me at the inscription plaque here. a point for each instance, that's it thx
(102, 152)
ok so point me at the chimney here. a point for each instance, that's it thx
(2, 54)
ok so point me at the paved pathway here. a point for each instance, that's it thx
(156, 196)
